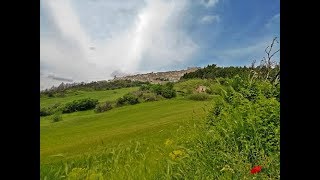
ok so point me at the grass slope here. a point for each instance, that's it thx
(80, 132)
(102, 96)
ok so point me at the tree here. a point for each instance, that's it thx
(267, 63)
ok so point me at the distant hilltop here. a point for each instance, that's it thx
(158, 77)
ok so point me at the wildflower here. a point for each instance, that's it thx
(176, 154)
(255, 169)
(227, 168)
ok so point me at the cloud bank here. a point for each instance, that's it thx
(88, 45)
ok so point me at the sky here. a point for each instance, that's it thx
(91, 40)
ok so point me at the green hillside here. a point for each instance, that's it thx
(221, 133)
(100, 95)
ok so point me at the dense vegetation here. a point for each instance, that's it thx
(165, 90)
(80, 105)
(242, 130)
(51, 105)
(150, 92)
(213, 71)
(62, 89)
(106, 106)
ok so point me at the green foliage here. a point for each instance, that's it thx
(62, 89)
(144, 87)
(106, 106)
(56, 117)
(129, 98)
(168, 93)
(262, 72)
(102, 96)
(213, 71)
(46, 111)
(209, 91)
(150, 96)
(240, 131)
(199, 96)
(165, 90)
(188, 86)
(80, 105)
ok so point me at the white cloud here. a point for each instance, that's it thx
(124, 39)
(209, 3)
(209, 19)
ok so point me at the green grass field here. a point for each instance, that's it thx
(87, 133)
(221, 137)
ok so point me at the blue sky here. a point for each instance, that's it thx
(86, 40)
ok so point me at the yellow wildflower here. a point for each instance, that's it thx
(227, 168)
(168, 142)
(176, 154)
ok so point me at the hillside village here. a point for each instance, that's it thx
(158, 77)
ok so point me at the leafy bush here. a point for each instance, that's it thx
(56, 117)
(199, 96)
(129, 98)
(103, 107)
(50, 94)
(168, 93)
(165, 90)
(144, 87)
(149, 96)
(46, 111)
(80, 105)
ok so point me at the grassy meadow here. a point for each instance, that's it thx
(219, 134)
(88, 134)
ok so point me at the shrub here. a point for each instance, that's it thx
(168, 93)
(45, 111)
(60, 94)
(144, 87)
(129, 98)
(120, 101)
(80, 105)
(149, 96)
(199, 96)
(56, 117)
(50, 94)
(165, 91)
(103, 107)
